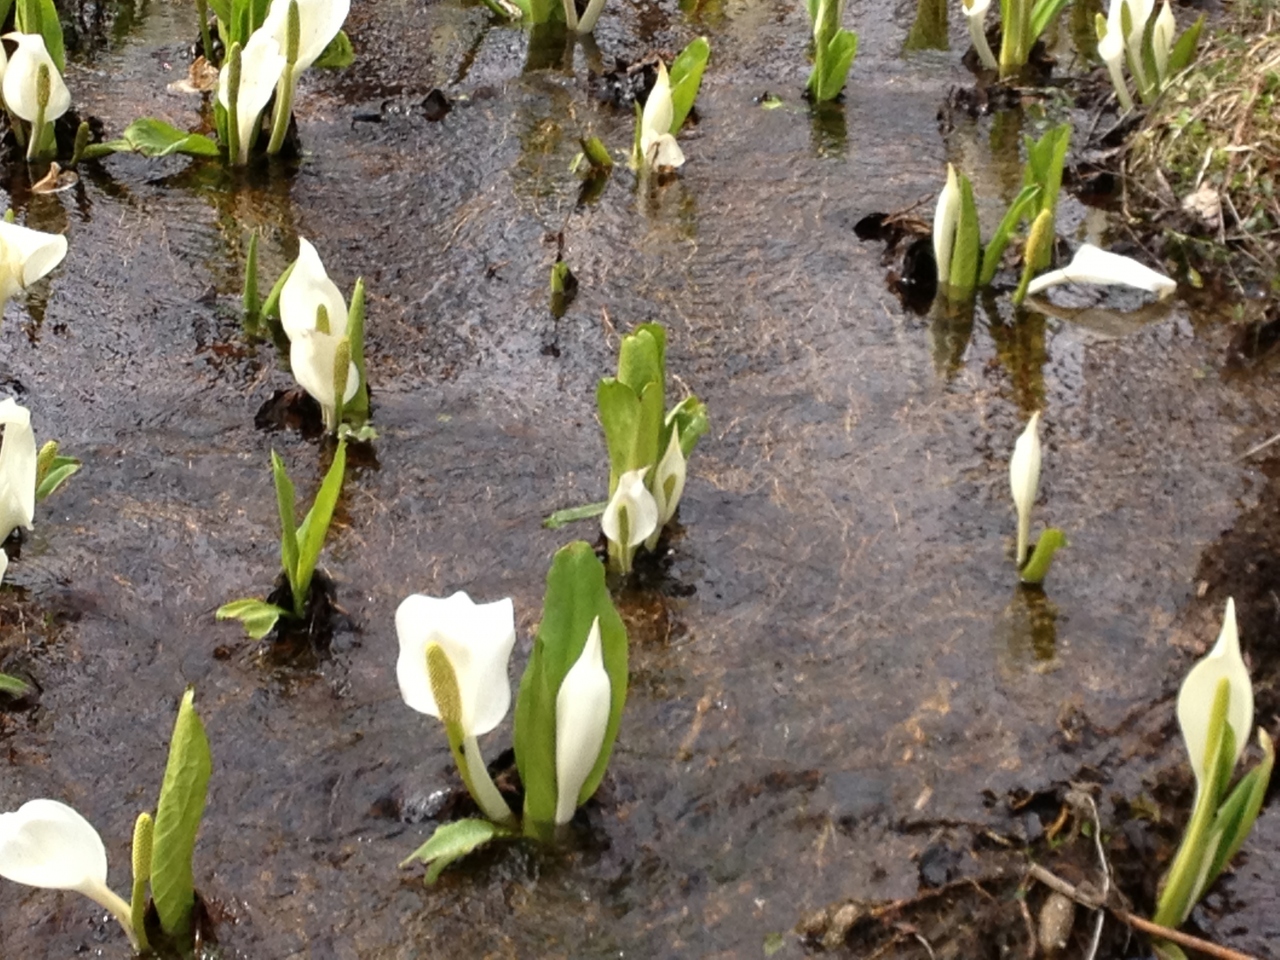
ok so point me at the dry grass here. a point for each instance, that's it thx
(1207, 158)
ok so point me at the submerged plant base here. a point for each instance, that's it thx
(205, 943)
(293, 409)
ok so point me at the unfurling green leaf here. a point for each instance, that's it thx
(686, 78)
(452, 841)
(1184, 51)
(41, 16)
(1000, 239)
(154, 138)
(1039, 251)
(968, 247)
(597, 154)
(576, 595)
(286, 505)
(1037, 566)
(567, 516)
(178, 815)
(258, 616)
(337, 54)
(315, 526)
(13, 686)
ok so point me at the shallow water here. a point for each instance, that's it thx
(834, 667)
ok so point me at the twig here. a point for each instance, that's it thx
(1259, 448)
(1106, 877)
(1093, 901)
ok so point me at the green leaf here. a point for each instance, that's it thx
(833, 68)
(221, 9)
(154, 138)
(1044, 13)
(337, 54)
(1236, 816)
(258, 616)
(642, 357)
(13, 686)
(576, 595)
(271, 308)
(1000, 239)
(1184, 50)
(968, 246)
(564, 517)
(286, 504)
(690, 415)
(686, 78)
(315, 527)
(41, 16)
(178, 815)
(452, 841)
(597, 154)
(1037, 566)
(60, 470)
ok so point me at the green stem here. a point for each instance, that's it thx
(237, 153)
(105, 897)
(478, 782)
(206, 41)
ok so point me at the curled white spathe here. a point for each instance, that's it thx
(658, 146)
(945, 217)
(633, 499)
(318, 23)
(1091, 265)
(306, 290)
(261, 64)
(1024, 481)
(582, 717)
(313, 359)
(21, 78)
(1162, 37)
(18, 456)
(26, 255)
(1195, 698)
(668, 479)
(976, 11)
(476, 638)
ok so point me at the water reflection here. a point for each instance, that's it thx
(929, 30)
(950, 329)
(1028, 626)
(1022, 349)
(830, 137)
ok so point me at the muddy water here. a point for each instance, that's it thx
(833, 667)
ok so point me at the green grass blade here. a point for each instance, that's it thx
(314, 529)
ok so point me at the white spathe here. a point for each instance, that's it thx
(313, 359)
(307, 289)
(18, 457)
(945, 217)
(633, 499)
(318, 21)
(1091, 265)
(1111, 50)
(47, 844)
(476, 638)
(26, 255)
(976, 12)
(261, 64)
(582, 716)
(1024, 481)
(668, 479)
(1195, 698)
(1162, 37)
(657, 145)
(19, 86)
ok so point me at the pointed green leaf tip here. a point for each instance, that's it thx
(686, 79)
(178, 815)
(576, 595)
(450, 842)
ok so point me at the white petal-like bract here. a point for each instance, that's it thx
(477, 639)
(582, 717)
(307, 289)
(313, 359)
(261, 63)
(945, 217)
(26, 255)
(633, 499)
(1024, 481)
(19, 86)
(47, 844)
(18, 457)
(1091, 265)
(657, 144)
(318, 20)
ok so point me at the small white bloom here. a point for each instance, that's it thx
(668, 485)
(261, 64)
(657, 145)
(1091, 265)
(21, 77)
(313, 359)
(1024, 480)
(633, 500)
(945, 218)
(307, 289)
(582, 716)
(1162, 36)
(976, 11)
(47, 844)
(26, 255)
(1195, 699)
(477, 639)
(18, 456)
(1111, 50)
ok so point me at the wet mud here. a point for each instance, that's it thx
(839, 694)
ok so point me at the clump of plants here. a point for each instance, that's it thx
(453, 665)
(46, 843)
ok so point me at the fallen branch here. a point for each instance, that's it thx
(1088, 898)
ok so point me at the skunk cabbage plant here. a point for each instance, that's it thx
(26, 256)
(1147, 38)
(1215, 713)
(300, 546)
(34, 91)
(453, 665)
(27, 475)
(1024, 484)
(48, 844)
(667, 107)
(1091, 265)
(1022, 22)
(833, 50)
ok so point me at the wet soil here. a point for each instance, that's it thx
(834, 675)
